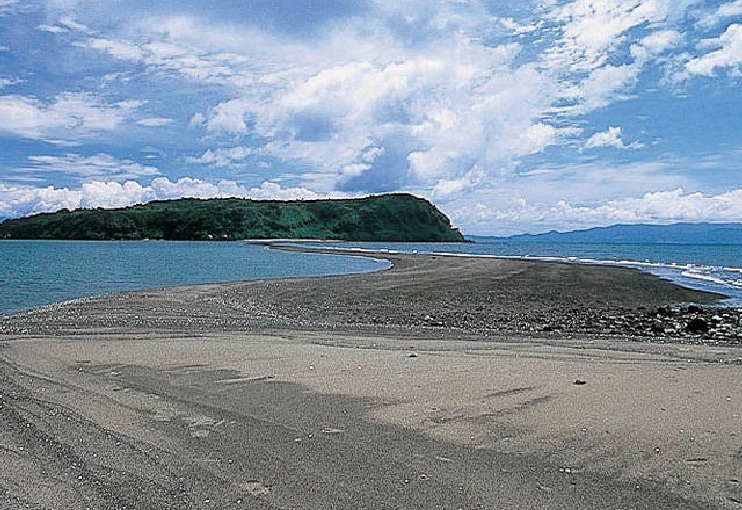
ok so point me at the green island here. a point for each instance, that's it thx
(392, 217)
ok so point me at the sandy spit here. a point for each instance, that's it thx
(444, 383)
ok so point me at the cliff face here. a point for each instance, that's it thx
(393, 217)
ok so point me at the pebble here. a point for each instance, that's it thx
(485, 315)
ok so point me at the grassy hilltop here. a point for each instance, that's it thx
(392, 217)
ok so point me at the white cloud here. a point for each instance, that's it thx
(588, 55)
(535, 139)
(730, 9)
(228, 117)
(728, 54)
(517, 28)
(68, 115)
(24, 200)
(123, 50)
(590, 29)
(90, 167)
(274, 191)
(222, 157)
(155, 121)
(70, 23)
(724, 11)
(5, 82)
(613, 137)
(53, 29)
(65, 24)
(112, 194)
(660, 41)
(655, 207)
(325, 106)
(450, 187)
(21, 201)
(448, 99)
(437, 109)
(191, 56)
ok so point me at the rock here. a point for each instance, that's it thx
(664, 311)
(658, 327)
(256, 488)
(697, 325)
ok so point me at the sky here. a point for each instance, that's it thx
(510, 116)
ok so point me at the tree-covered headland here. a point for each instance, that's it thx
(391, 217)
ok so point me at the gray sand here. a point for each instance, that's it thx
(444, 383)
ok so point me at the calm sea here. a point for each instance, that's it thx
(35, 273)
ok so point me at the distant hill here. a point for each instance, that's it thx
(680, 233)
(392, 217)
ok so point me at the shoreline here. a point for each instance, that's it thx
(404, 389)
(729, 299)
(485, 296)
(694, 282)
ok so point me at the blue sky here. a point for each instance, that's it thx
(510, 116)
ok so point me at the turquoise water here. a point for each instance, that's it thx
(35, 273)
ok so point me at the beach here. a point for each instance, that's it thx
(446, 382)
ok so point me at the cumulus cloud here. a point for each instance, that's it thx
(450, 187)
(662, 207)
(326, 106)
(724, 11)
(728, 54)
(613, 137)
(451, 100)
(226, 117)
(660, 41)
(24, 200)
(426, 89)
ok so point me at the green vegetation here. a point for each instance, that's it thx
(394, 217)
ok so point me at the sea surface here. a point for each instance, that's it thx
(36, 273)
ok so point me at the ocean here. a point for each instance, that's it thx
(37, 273)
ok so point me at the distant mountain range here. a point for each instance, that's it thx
(680, 233)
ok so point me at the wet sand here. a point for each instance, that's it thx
(443, 383)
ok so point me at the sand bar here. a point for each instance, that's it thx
(443, 383)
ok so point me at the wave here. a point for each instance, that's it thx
(718, 279)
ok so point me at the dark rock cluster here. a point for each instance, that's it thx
(691, 323)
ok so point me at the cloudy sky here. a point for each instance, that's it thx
(511, 116)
